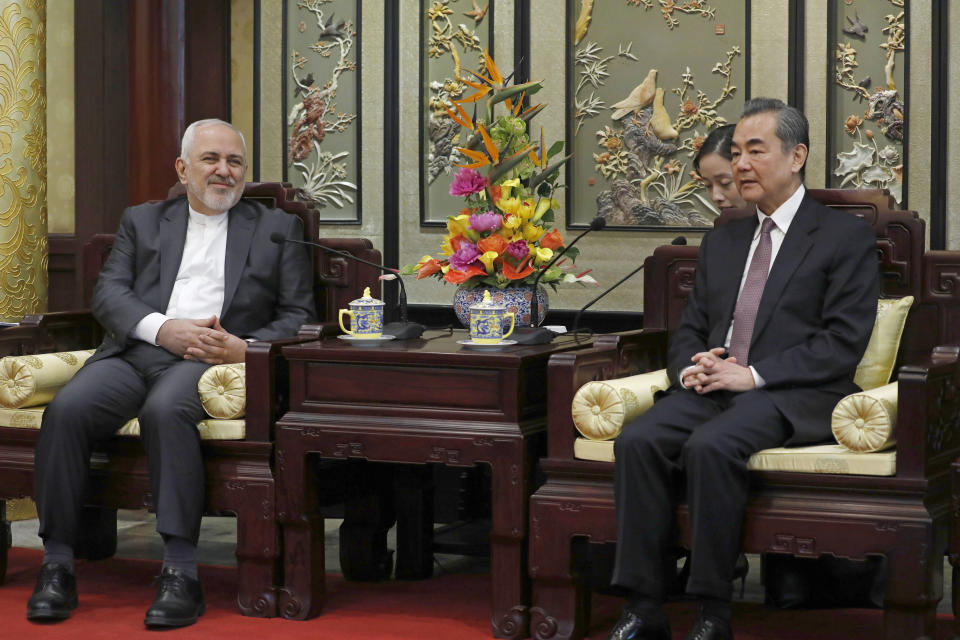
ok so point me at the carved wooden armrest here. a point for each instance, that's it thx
(928, 414)
(612, 356)
(61, 331)
(266, 371)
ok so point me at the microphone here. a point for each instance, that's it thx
(402, 330)
(679, 240)
(535, 334)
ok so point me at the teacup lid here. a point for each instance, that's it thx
(486, 303)
(367, 300)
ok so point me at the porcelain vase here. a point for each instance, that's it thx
(515, 299)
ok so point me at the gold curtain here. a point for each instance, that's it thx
(23, 158)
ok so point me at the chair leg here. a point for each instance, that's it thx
(560, 603)
(914, 586)
(258, 551)
(98, 533)
(6, 539)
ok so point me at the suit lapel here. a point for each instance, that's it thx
(734, 257)
(796, 244)
(240, 228)
(173, 235)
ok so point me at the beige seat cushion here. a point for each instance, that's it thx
(210, 429)
(867, 421)
(600, 409)
(223, 391)
(826, 458)
(31, 381)
(877, 363)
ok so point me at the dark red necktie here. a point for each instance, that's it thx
(745, 315)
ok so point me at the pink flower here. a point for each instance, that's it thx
(466, 254)
(467, 182)
(488, 221)
(518, 249)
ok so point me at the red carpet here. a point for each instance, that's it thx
(114, 594)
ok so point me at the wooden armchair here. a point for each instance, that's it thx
(239, 472)
(904, 516)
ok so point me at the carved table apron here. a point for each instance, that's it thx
(427, 400)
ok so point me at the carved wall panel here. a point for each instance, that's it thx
(322, 104)
(867, 99)
(646, 83)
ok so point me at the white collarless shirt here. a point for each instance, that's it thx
(198, 288)
(782, 218)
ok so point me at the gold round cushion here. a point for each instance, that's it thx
(223, 391)
(602, 408)
(866, 422)
(32, 381)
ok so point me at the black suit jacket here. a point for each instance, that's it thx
(268, 287)
(815, 317)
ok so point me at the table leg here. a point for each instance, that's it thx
(301, 529)
(510, 615)
(414, 506)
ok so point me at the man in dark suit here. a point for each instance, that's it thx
(780, 314)
(188, 283)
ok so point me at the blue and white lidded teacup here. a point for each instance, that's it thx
(366, 317)
(486, 321)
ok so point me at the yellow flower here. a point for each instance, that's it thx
(487, 260)
(543, 206)
(460, 226)
(543, 255)
(507, 185)
(512, 222)
(532, 233)
(525, 210)
(509, 205)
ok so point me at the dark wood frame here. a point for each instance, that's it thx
(905, 516)
(239, 473)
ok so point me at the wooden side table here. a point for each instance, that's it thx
(428, 400)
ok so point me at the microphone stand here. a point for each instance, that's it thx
(535, 334)
(679, 240)
(402, 330)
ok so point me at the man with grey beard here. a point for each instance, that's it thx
(188, 284)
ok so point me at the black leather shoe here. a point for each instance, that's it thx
(55, 595)
(710, 629)
(631, 627)
(179, 600)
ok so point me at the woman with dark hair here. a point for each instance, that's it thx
(712, 162)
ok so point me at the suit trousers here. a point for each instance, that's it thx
(146, 382)
(706, 441)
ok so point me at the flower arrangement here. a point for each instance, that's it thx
(503, 236)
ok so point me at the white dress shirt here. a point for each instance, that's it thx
(782, 217)
(198, 289)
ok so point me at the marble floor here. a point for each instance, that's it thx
(138, 539)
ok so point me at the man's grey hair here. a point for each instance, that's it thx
(186, 144)
(792, 126)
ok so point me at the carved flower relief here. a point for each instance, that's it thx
(855, 160)
(851, 124)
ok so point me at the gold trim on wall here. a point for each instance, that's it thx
(23, 159)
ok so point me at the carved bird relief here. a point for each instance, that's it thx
(856, 27)
(660, 121)
(641, 96)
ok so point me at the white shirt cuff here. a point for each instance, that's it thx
(683, 372)
(148, 328)
(758, 381)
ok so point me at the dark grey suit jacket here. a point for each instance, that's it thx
(268, 288)
(815, 316)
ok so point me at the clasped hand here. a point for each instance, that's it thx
(203, 340)
(710, 372)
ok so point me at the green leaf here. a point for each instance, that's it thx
(531, 112)
(506, 165)
(509, 92)
(408, 270)
(545, 174)
(573, 253)
(555, 148)
(547, 217)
